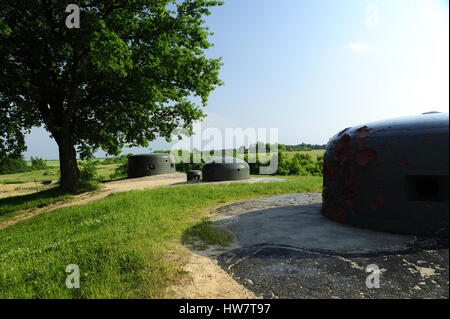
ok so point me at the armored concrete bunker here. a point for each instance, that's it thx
(390, 175)
(194, 175)
(225, 169)
(150, 164)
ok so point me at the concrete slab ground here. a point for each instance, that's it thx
(286, 249)
(296, 221)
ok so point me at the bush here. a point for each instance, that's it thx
(10, 165)
(88, 171)
(115, 160)
(299, 164)
(120, 171)
(186, 167)
(38, 163)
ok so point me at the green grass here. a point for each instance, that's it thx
(313, 153)
(11, 206)
(104, 171)
(51, 173)
(52, 163)
(126, 245)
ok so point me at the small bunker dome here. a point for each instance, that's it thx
(225, 169)
(390, 175)
(150, 164)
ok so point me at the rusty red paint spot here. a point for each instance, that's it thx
(342, 149)
(402, 162)
(341, 212)
(326, 180)
(350, 194)
(336, 214)
(365, 155)
(373, 206)
(331, 170)
(380, 198)
(331, 201)
(364, 131)
(428, 140)
(362, 141)
(330, 212)
(350, 179)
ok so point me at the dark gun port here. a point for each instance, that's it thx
(427, 188)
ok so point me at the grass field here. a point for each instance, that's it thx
(12, 205)
(126, 245)
(313, 153)
(51, 173)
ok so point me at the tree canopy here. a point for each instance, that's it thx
(132, 71)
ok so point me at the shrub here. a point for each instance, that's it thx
(299, 164)
(88, 171)
(115, 160)
(38, 163)
(120, 171)
(10, 165)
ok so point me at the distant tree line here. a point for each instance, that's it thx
(261, 147)
(301, 147)
(298, 164)
(12, 165)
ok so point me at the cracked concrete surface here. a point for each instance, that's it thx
(285, 248)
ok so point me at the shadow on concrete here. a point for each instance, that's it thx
(304, 227)
(292, 251)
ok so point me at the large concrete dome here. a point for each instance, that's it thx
(225, 169)
(390, 175)
(150, 164)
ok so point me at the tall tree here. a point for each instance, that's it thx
(132, 71)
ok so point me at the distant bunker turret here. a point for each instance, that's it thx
(390, 175)
(225, 169)
(150, 164)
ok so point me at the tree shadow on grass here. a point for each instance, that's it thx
(203, 234)
(43, 198)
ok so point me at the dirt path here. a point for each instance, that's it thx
(206, 280)
(12, 189)
(107, 189)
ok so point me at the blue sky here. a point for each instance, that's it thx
(313, 67)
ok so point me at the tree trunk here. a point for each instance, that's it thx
(70, 174)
